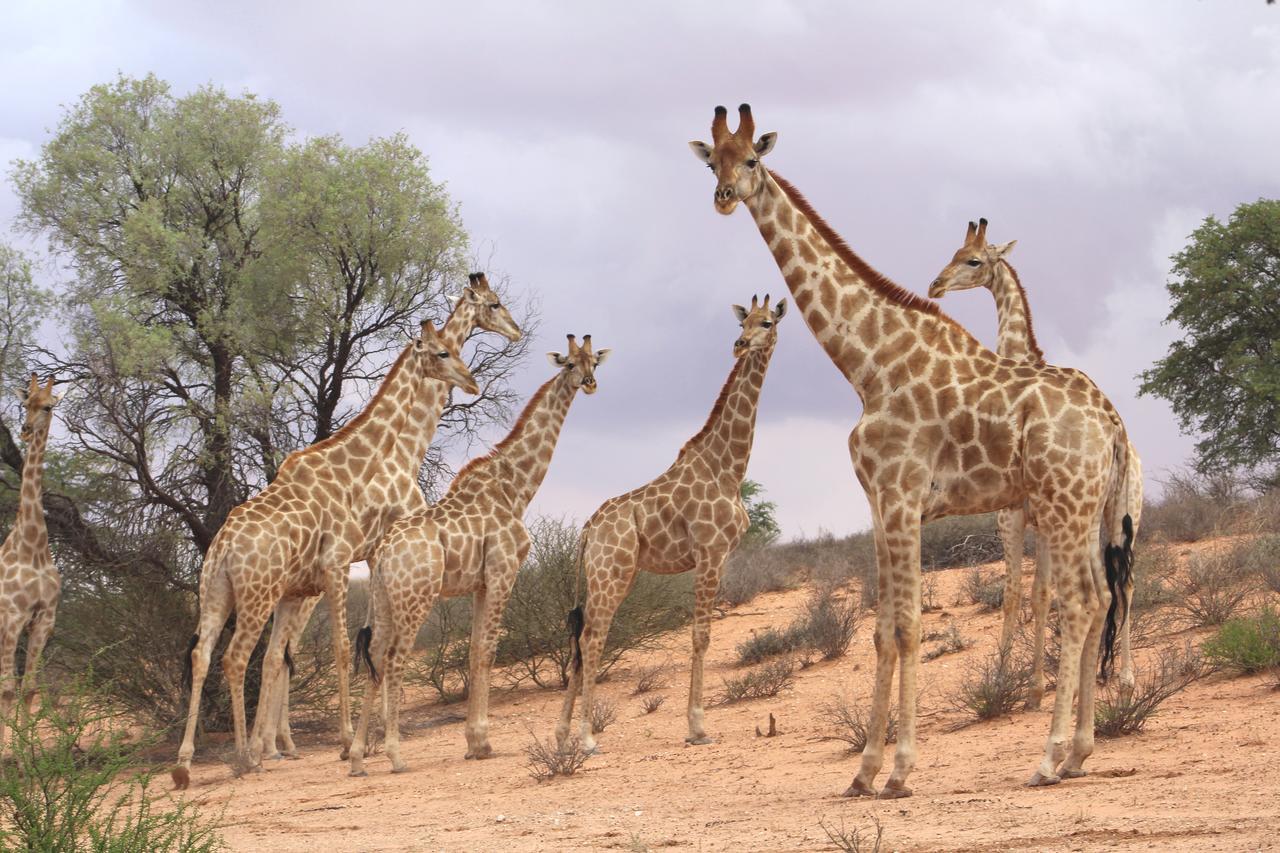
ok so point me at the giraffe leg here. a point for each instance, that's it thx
(886, 657)
(1070, 565)
(400, 647)
(37, 635)
(214, 611)
(1126, 675)
(904, 550)
(1096, 612)
(337, 595)
(566, 708)
(605, 591)
(380, 623)
(486, 624)
(1012, 524)
(1041, 588)
(706, 583)
(235, 661)
(275, 681)
(10, 629)
(287, 748)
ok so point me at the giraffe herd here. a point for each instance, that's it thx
(948, 428)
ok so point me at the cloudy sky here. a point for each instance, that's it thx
(1098, 134)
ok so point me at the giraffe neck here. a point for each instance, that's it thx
(725, 440)
(30, 504)
(1015, 336)
(520, 461)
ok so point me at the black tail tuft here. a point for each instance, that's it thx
(574, 622)
(186, 661)
(288, 660)
(364, 638)
(1119, 564)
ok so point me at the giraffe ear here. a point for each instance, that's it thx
(779, 309)
(469, 294)
(556, 359)
(765, 143)
(740, 313)
(1004, 248)
(602, 356)
(702, 151)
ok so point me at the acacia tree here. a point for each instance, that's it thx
(234, 298)
(1223, 376)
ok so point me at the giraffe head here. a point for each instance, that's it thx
(734, 158)
(580, 363)
(439, 362)
(759, 326)
(39, 404)
(973, 265)
(491, 314)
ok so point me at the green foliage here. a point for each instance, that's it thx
(68, 787)
(762, 513)
(1222, 376)
(1248, 644)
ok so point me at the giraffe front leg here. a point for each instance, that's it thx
(287, 747)
(707, 582)
(249, 625)
(37, 637)
(337, 594)
(886, 657)
(1012, 525)
(1041, 587)
(486, 625)
(10, 628)
(275, 680)
(214, 609)
(905, 556)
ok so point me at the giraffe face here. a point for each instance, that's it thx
(491, 314)
(581, 363)
(439, 362)
(734, 158)
(39, 404)
(973, 265)
(759, 326)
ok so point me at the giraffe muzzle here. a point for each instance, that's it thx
(936, 290)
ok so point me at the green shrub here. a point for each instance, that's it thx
(1248, 644)
(760, 683)
(765, 644)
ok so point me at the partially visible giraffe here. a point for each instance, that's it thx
(948, 428)
(979, 264)
(690, 518)
(30, 585)
(326, 508)
(478, 307)
(473, 541)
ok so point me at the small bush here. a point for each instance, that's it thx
(752, 570)
(1116, 715)
(845, 723)
(544, 760)
(1154, 578)
(603, 713)
(1263, 560)
(648, 678)
(828, 625)
(984, 589)
(994, 687)
(1214, 587)
(1193, 508)
(652, 702)
(760, 683)
(853, 841)
(929, 593)
(762, 645)
(949, 642)
(1247, 645)
(960, 540)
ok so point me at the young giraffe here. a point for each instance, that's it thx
(474, 540)
(326, 508)
(30, 585)
(948, 428)
(978, 264)
(689, 518)
(478, 306)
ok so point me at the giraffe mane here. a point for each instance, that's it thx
(525, 414)
(717, 407)
(1032, 344)
(875, 279)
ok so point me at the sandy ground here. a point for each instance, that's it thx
(1202, 777)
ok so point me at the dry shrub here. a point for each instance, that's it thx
(603, 713)
(853, 840)
(759, 683)
(960, 540)
(1263, 559)
(752, 570)
(1116, 715)
(1194, 508)
(949, 642)
(1214, 586)
(832, 562)
(828, 624)
(762, 645)
(652, 702)
(983, 589)
(544, 760)
(1155, 575)
(994, 686)
(845, 723)
(649, 678)
(929, 593)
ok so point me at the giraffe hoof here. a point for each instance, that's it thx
(480, 754)
(1066, 773)
(274, 757)
(358, 774)
(181, 778)
(292, 755)
(403, 768)
(1039, 780)
(1032, 704)
(894, 791)
(859, 789)
(698, 741)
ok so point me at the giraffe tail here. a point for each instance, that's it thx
(1118, 552)
(364, 638)
(186, 661)
(574, 622)
(288, 659)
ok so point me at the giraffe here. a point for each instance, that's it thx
(479, 305)
(472, 541)
(979, 264)
(690, 517)
(948, 428)
(326, 508)
(30, 585)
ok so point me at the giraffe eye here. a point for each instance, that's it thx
(712, 168)
(444, 353)
(974, 262)
(49, 408)
(766, 324)
(495, 305)
(751, 164)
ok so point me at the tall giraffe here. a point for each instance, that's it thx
(30, 585)
(690, 518)
(948, 428)
(473, 541)
(478, 306)
(979, 264)
(326, 508)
